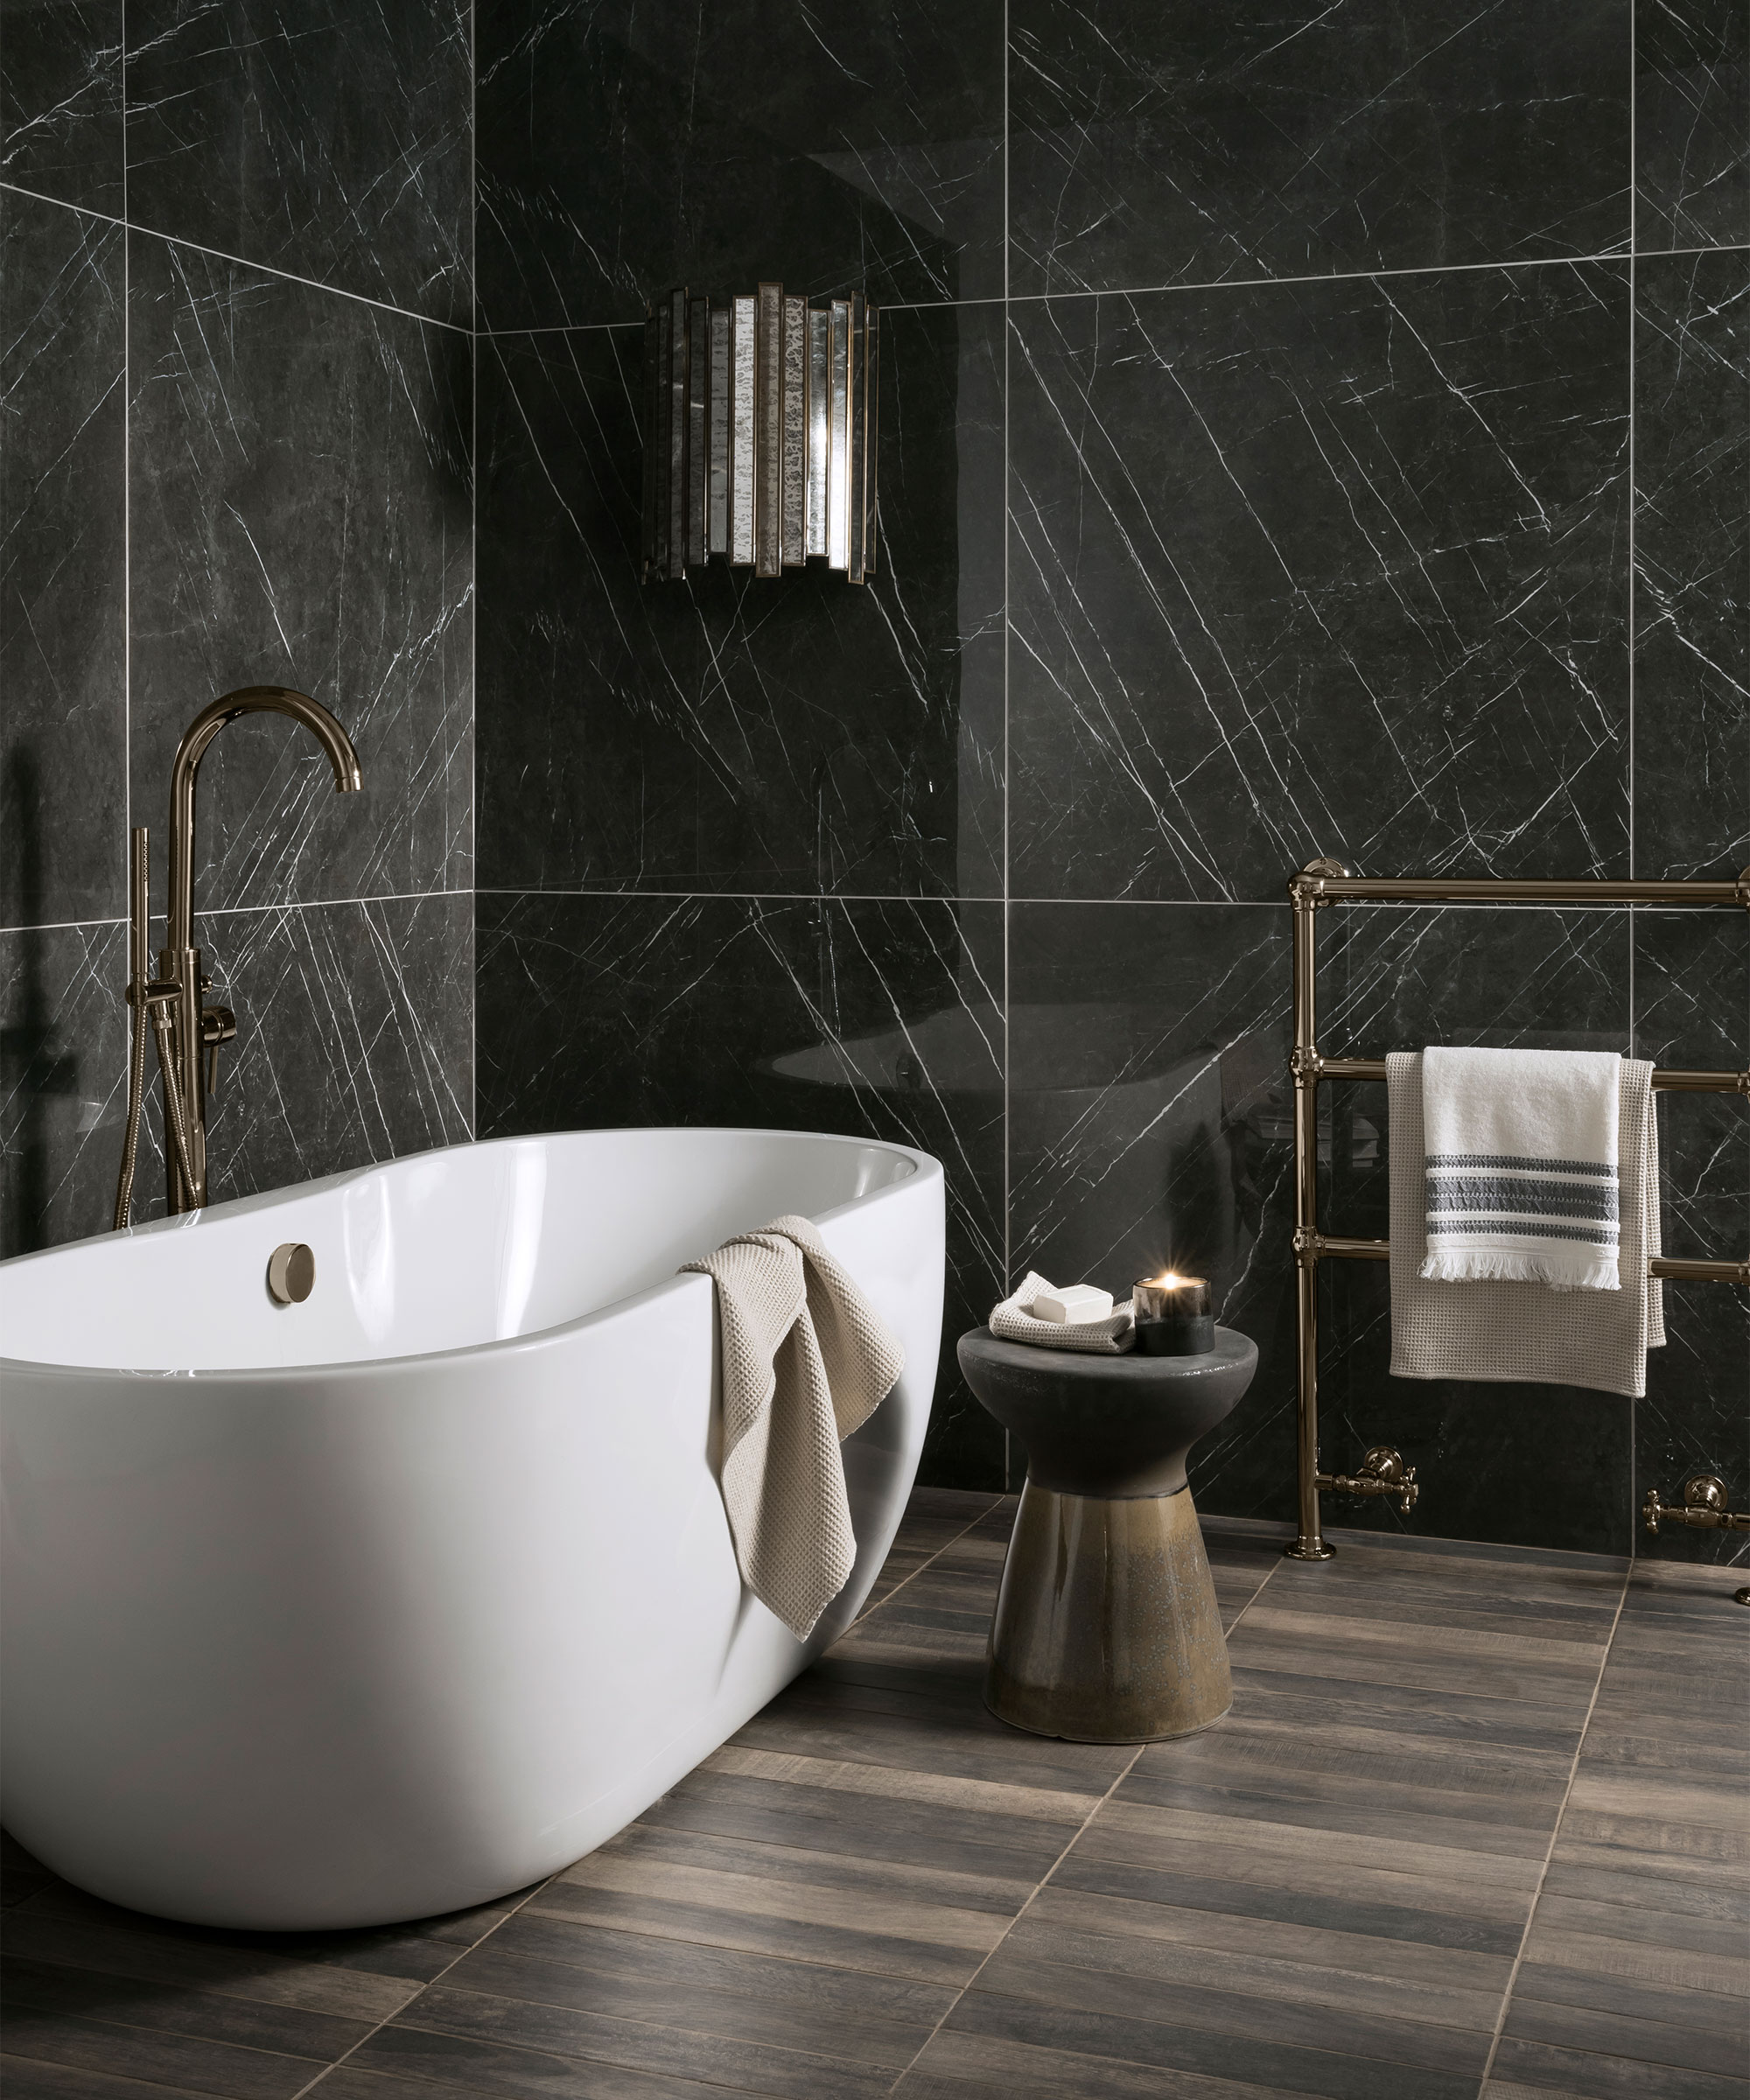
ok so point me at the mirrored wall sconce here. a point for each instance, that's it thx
(760, 434)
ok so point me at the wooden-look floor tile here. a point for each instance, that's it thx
(451, 2064)
(1586, 2075)
(34, 2078)
(1682, 2044)
(1255, 2059)
(708, 2053)
(44, 1988)
(1719, 2012)
(1228, 1991)
(156, 2058)
(982, 2066)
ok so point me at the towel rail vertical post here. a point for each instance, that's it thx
(1308, 1545)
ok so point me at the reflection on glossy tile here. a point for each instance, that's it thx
(1150, 1123)
(302, 517)
(882, 1018)
(1691, 124)
(62, 502)
(799, 735)
(1319, 568)
(60, 101)
(63, 1080)
(1156, 145)
(330, 141)
(624, 148)
(1692, 566)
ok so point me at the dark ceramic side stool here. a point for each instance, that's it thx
(1106, 1629)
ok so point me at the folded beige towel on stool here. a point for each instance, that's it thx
(1116, 1335)
(806, 1360)
(1502, 1332)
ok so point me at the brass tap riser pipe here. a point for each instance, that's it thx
(1354, 889)
(1663, 1082)
(181, 959)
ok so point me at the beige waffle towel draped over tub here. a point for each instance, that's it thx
(1512, 1331)
(806, 1360)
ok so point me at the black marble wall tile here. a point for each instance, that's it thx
(354, 1041)
(60, 101)
(1520, 1464)
(799, 734)
(1184, 145)
(1692, 1009)
(1692, 123)
(63, 494)
(63, 1082)
(1150, 1123)
(332, 141)
(623, 148)
(1332, 568)
(302, 517)
(1692, 566)
(882, 1020)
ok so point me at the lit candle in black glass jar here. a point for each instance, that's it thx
(1174, 1317)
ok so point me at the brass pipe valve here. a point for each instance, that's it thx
(1383, 1473)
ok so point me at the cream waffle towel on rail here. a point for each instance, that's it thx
(806, 1360)
(1527, 1331)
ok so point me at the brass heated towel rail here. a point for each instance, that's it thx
(1326, 882)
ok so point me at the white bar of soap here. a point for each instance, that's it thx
(1073, 1306)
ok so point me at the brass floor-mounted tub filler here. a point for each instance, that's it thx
(1324, 882)
(189, 1034)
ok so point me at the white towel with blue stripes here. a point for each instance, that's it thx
(1520, 1167)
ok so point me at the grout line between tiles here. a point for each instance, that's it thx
(1555, 1836)
(401, 2011)
(1008, 629)
(972, 1525)
(1005, 297)
(200, 247)
(1045, 1878)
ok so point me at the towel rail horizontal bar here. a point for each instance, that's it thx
(1323, 1247)
(1326, 882)
(1663, 1082)
(1354, 889)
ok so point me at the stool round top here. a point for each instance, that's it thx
(1109, 1427)
(1129, 1377)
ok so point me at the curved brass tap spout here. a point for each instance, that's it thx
(198, 1031)
(247, 700)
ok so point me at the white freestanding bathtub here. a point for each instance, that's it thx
(386, 1603)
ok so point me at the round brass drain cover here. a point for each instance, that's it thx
(292, 1273)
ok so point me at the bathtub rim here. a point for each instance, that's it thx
(923, 1165)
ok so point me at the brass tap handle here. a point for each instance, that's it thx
(218, 1025)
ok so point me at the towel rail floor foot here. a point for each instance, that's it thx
(1326, 882)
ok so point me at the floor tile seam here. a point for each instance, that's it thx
(802, 1849)
(961, 1993)
(390, 2017)
(1560, 1713)
(1555, 1837)
(972, 1523)
(1045, 1880)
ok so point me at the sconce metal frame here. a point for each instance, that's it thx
(759, 433)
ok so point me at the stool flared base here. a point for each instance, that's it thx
(1106, 1628)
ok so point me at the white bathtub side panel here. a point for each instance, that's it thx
(397, 1637)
